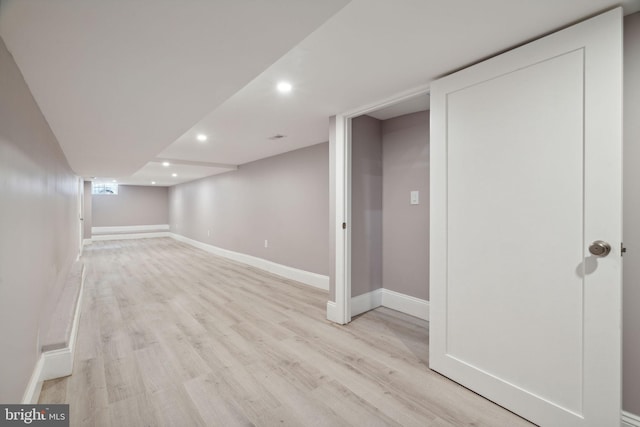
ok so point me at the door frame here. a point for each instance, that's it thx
(340, 163)
(80, 216)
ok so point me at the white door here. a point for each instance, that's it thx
(526, 174)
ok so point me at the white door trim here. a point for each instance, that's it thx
(340, 311)
(80, 217)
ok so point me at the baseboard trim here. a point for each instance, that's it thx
(406, 304)
(56, 363)
(129, 229)
(312, 279)
(630, 420)
(59, 363)
(86, 242)
(332, 312)
(365, 302)
(130, 236)
(32, 393)
(394, 300)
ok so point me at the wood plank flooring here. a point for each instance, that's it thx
(173, 336)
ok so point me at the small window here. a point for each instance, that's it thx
(102, 188)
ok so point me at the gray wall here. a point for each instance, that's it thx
(283, 199)
(133, 205)
(389, 236)
(405, 164)
(366, 205)
(39, 228)
(631, 312)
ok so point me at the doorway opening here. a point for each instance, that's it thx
(386, 208)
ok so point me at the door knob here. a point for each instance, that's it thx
(600, 248)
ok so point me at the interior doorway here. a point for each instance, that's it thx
(80, 216)
(392, 135)
(495, 217)
(390, 208)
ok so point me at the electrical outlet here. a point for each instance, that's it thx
(266, 243)
(208, 233)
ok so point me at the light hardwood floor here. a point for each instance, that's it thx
(172, 335)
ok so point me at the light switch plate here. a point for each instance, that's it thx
(415, 197)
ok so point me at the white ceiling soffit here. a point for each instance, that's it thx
(119, 80)
(163, 175)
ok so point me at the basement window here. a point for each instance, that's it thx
(110, 189)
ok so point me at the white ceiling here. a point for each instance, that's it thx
(125, 84)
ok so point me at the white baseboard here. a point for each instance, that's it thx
(630, 420)
(59, 363)
(55, 363)
(129, 229)
(332, 312)
(312, 279)
(406, 304)
(32, 393)
(386, 298)
(130, 236)
(365, 302)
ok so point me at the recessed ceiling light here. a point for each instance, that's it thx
(284, 87)
(166, 164)
(115, 180)
(153, 183)
(174, 174)
(201, 137)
